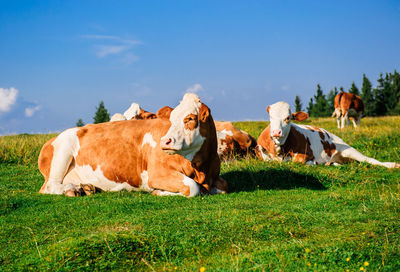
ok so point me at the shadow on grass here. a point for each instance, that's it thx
(270, 179)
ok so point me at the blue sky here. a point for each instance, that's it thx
(59, 59)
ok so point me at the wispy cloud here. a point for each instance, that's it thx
(8, 97)
(30, 111)
(284, 87)
(195, 88)
(114, 46)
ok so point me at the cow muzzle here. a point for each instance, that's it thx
(168, 145)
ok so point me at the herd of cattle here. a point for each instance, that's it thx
(178, 151)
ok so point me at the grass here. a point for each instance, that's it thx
(277, 217)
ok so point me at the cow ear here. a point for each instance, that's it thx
(164, 112)
(299, 116)
(268, 109)
(204, 112)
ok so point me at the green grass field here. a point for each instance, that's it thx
(277, 217)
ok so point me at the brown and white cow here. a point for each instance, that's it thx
(284, 140)
(134, 112)
(166, 157)
(348, 105)
(231, 140)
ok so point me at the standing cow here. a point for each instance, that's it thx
(348, 105)
(283, 140)
(166, 157)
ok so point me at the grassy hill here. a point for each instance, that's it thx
(283, 217)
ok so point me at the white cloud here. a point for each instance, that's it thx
(114, 45)
(284, 87)
(8, 97)
(105, 50)
(30, 111)
(195, 88)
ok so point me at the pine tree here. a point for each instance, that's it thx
(310, 106)
(367, 97)
(331, 99)
(101, 114)
(396, 92)
(379, 95)
(341, 89)
(353, 89)
(80, 123)
(320, 108)
(297, 103)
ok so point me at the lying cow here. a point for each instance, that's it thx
(175, 157)
(348, 105)
(134, 112)
(231, 140)
(283, 140)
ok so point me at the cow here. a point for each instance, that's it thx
(165, 157)
(284, 140)
(348, 105)
(231, 140)
(134, 112)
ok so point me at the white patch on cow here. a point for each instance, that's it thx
(184, 141)
(133, 110)
(264, 156)
(194, 187)
(227, 132)
(221, 144)
(148, 139)
(117, 117)
(145, 182)
(66, 146)
(85, 174)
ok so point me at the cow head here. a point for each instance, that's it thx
(183, 137)
(132, 112)
(280, 117)
(164, 112)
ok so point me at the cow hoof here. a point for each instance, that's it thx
(88, 189)
(73, 193)
(397, 165)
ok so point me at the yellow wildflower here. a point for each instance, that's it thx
(347, 259)
(366, 263)
(361, 268)
(307, 250)
(202, 269)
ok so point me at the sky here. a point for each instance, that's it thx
(59, 59)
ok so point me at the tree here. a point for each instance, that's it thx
(331, 99)
(320, 108)
(379, 95)
(353, 89)
(310, 106)
(101, 114)
(297, 103)
(80, 123)
(367, 97)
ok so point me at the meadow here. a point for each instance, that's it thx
(277, 216)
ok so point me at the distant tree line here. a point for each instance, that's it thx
(379, 101)
(101, 115)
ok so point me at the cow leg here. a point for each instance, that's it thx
(261, 153)
(345, 118)
(174, 183)
(353, 154)
(338, 121)
(354, 122)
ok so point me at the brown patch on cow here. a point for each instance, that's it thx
(329, 148)
(190, 121)
(44, 161)
(297, 146)
(207, 160)
(81, 132)
(300, 116)
(345, 101)
(164, 112)
(144, 115)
